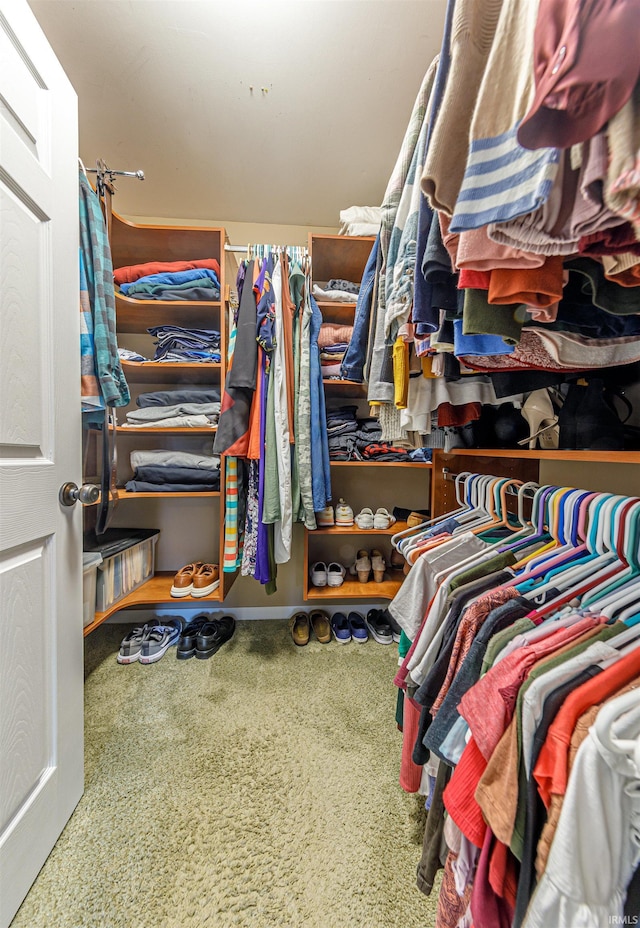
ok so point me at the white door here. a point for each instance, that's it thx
(41, 645)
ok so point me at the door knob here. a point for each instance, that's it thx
(87, 494)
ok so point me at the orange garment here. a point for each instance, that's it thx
(628, 278)
(474, 280)
(128, 275)
(539, 286)
(551, 769)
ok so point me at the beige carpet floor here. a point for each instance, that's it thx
(258, 788)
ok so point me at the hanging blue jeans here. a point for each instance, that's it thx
(353, 361)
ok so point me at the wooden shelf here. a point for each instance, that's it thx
(138, 315)
(124, 494)
(171, 371)
(354, 530)
(152, 593)
(337, 313)
(353, 589)
(604, 457)
(156, 430)
(344, 387)
(381, 464)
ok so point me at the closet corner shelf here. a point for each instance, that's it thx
(344, 387)
(353, 589)
(153, 592)
(603, 457)
(171, 372)
(124, 494)
(154, 430)
(422, 464)
(137, 315)
(354, 530)
(338, 313)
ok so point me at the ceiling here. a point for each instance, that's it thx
(284, 111)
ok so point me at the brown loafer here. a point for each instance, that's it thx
(205, 580)
(300, 628)
(183, 580)
(320, 625)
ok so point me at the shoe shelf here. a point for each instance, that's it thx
(353, 589)
(184, 372)
(422, 464)
(134, 316)
(155, 591)
(354, 530)
(124, 494)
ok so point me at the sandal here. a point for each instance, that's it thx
(300, 628)
(378, 565)
(364, 519)
(383, 519)
(320, 625)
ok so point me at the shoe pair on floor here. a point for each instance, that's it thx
(197, 580)
(354, 627)
(301, 625)
(202, 637)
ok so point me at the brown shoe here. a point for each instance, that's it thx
(206, 579)
(415, 518)
(183, 580)
(320, 625)
(300, 628)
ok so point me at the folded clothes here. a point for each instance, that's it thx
(186, 294)
(167, 473)
(157, 413)
(384, 451)
(172, 397)
(126, 355)
(345, 285)
(133, 272)
(332, 334)
(421, 454)
(175, 459)
(337, 348)
(172, 280)
(178, 343)
(334, 296)
(141, 486)
(176, 422)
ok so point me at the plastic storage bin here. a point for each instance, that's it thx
(128, 559)
(90, 562)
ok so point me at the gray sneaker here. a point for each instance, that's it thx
(132, 643)
(159, 639)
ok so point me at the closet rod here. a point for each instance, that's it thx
(529, 491)
(138, 174)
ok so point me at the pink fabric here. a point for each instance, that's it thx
(410, 773)
(477, 252)
(331, 334)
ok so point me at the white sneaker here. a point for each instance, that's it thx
(383, 519)
(364, 519)
(324, 518)
(319, 573)
(335, 574)
(344, 514)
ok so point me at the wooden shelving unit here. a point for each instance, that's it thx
(132, 244)
(423, 464)
(154, 592)
(602, 457)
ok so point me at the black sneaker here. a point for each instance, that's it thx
(187, 644)
(396, 631)
(379, 627)
(213, 635)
